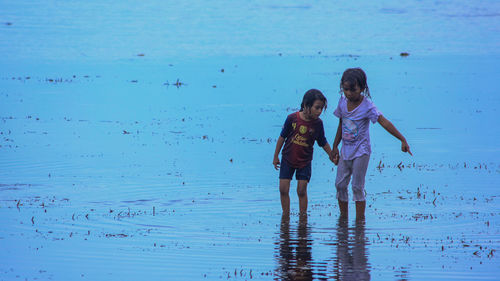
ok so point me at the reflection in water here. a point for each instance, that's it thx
(351, 262)
(294, 253)
(294, 258)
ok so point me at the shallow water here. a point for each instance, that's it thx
(115, 166)
(116, 179)
(167, 29)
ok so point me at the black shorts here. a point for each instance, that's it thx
(286, 172)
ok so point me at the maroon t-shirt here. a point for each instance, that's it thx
(299, 138)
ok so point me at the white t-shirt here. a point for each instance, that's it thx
(355, 127)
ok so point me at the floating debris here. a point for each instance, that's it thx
(177, 83)
(119, 235)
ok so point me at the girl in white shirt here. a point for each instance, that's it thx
(355, 111)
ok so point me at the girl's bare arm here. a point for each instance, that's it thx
(276, 159)
(328, 151)
(338, 135)
(336, 142)
(389, 127)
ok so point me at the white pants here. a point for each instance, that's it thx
(357, 169)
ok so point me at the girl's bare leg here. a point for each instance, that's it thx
(360, 210)
(344, 209)
(285, 198)
(302, 193)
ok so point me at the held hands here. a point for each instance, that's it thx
(276, 162)
(405, 147)
(334, 155)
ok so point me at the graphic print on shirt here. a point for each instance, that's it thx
(302, 129)
(300, 137)
(349, 129)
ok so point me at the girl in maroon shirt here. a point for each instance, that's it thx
(300, 131)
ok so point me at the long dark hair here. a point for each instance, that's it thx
(355, 76)
(310, 97)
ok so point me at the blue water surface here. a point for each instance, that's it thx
(136, 140)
